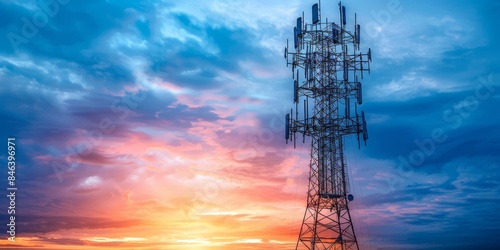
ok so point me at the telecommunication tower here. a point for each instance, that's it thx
(329, 57)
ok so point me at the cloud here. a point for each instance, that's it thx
(146, 120)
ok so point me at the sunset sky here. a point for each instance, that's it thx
(160, 124)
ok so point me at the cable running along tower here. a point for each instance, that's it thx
(326, 63)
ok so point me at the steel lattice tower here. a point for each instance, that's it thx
(329, 58)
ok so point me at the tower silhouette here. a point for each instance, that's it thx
(328, 55)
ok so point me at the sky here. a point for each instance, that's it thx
(160, 124)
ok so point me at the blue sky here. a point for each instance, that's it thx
(105, 96)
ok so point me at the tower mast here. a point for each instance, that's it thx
(326, 63)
